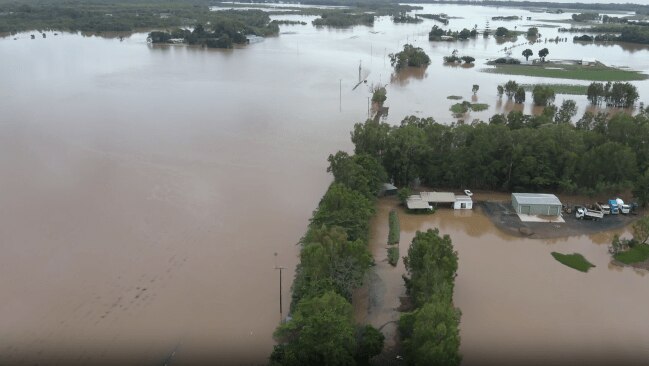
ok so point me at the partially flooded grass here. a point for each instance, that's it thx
(575, 72)
(395, 231)
(574, 260)
(478, 107)
(639, 253)
(454, 97)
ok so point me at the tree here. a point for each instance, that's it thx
(475, 88)
(501, 91)
(543, 95)
(361, 172)
(519, 97)
(327, 317)
(432, 265)
(403, 194)
(532, 32)
(641, 230)
(566, 112)
(502, 32)
(464, 34)
(410, 57)
(467, 59)
(641, 189)
(435, 337)
(378, 94)
(595, 93)
(510, 88)
(527, 53)
(371, 138)
(370, 343)
(347, 208)
(543, 53)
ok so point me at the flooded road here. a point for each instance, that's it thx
(145, 190)
(519, 305)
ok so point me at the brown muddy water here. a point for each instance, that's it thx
(144, 191)
(519, 305)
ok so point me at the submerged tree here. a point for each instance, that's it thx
(527, 53)
(410, 57)
(543, 53)
(519, 97)
(475, 89)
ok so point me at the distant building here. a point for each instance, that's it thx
(536, 204)
(388, 189)
(588, 61)
(415, 202)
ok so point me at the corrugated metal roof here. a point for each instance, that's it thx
(439, 197)
(415, 202)
(461, 197)
(536, 199)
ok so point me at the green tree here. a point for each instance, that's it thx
(527, 53)
(566, 112)
(327, 317)
(532, 32)
(361, 172)
(410, 57)
(595, 93)
(432, 265)
(543, 53)
(542, 95)
(502, 32)
(475, 89)
(371, 138)
(641, 230)
(641, 189)
(468, 59)
(403, 194)
(435, 337)
(500, 90)
(370, 343)
(346, 208)
(511, 87)
(519, 97)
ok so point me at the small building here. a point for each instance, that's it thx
(415, 202)
(536, 204)
(388, 189)
(463, 202)
(587, 61)
(438, 197)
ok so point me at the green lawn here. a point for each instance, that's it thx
(639, 253)
(574, 72)
(454, 97)
(569, 89)
(393, 255)
(459, 108)
(574, 260)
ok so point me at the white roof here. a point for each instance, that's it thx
(415, 202)
(461, 197)
(440, 197)
(588, 59)
(536, 199)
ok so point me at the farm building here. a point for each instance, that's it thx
(463, 202)
(438, 197)
(536, 204)
(388, 189)
(415, 202)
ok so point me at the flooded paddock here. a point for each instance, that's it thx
(519, 305)
(145, 189)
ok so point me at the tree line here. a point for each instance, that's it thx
(515, 152)
(430, 334)
(334, 259)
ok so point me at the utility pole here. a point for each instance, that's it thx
(281, 312)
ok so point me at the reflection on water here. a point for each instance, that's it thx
(402, 78)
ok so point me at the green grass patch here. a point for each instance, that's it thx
(574, 260)
(393, 255)
(477, 107)
(639, 253)
(394, 234)
(574, 72)
(454, 97)
(567, 89)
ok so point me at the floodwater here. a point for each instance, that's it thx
(519, 305)
(145, 189)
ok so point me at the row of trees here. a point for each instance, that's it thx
(436, 33)
(430, 333)
(334, 259)
(542, 95)
(514, 152)
(622, 95)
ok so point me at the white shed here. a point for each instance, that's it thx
(463, 202)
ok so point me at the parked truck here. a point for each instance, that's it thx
(584, 213)
(614, 207)
(606, 209)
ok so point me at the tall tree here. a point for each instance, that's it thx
(527, 53)
(543, 53)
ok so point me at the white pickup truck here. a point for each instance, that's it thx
(584, 213)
